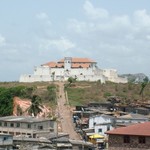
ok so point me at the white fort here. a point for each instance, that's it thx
(83, 69)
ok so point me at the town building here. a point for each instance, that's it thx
(133, 137)
(6, 141)
(83, 69)
(27, 126)
(101, 123)
(129, 119)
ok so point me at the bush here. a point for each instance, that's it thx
(107, 94)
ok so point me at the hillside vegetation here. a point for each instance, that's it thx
(81, 93)
(45, 91)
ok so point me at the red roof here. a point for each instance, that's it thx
(53, 65)
(78, 60)
(77, 65)
(50, 64)
(139, 129)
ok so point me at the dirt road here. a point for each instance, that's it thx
(64, 114)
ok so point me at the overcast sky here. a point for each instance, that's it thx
(115, 33)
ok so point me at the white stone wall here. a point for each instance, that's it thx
(82, 71)
(42, 70)
(112, 76)
(35, 78)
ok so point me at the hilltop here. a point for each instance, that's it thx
(135, 78)
(81, 93)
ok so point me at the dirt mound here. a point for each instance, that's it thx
(21, 105)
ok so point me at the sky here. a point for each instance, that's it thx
(114, 33)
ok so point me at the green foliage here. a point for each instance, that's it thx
(75, 96)
(52, 92)
(7, 95)
(130, 86)
(143, 85)
(124, 89)
(116, 87)
(107, 94)
(6, 101)
(19, 111)
(35, 105)
(71, 80)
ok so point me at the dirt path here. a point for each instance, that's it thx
(65, 114)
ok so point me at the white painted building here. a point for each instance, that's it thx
(84, 69)
(101, 123)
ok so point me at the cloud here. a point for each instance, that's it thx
(117, 41)
(94, 13)
(2, 40)
(60, 44)
(43, 17)
(142, 18)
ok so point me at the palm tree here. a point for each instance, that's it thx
(143, 85)
(35, 106)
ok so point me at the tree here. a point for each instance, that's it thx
(35, 106)
(53, 76)
(143, 85)
(71, 80)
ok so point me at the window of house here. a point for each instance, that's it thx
(126, 139)
(5, 138)
(5, 124)
(18, 125)
(142, 140)
(40, 127)
(29, 125)
(0, 124)
(99, 130)
(11, 124)
(108, 128)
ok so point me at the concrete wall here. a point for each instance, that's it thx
(29, 128)
(6, 140)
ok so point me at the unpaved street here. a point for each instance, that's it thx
(65, 114)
